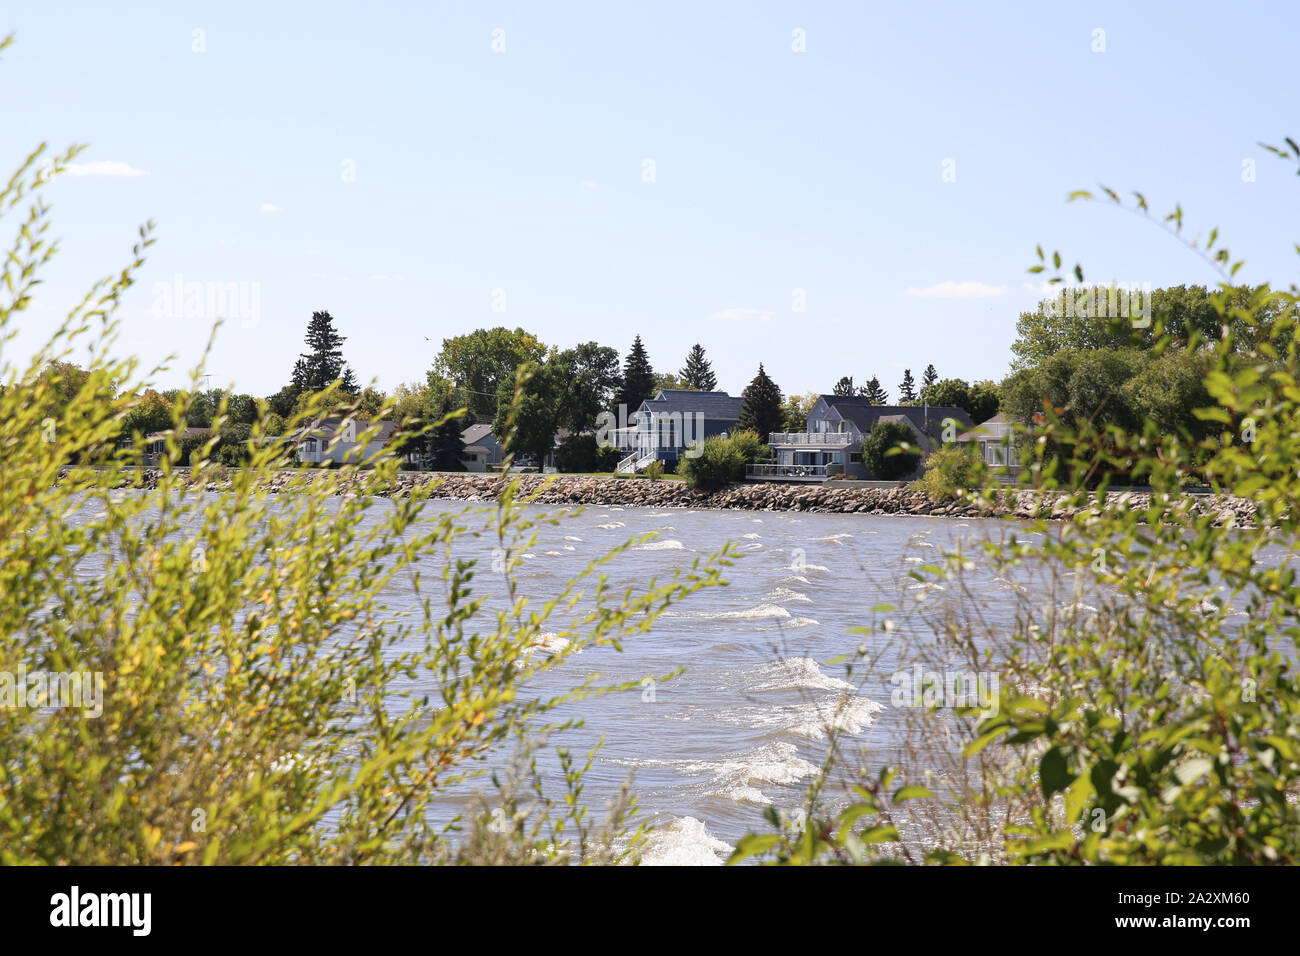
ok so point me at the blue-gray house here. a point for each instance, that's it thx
(837, 425)
(673, 424)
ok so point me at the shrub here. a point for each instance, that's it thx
(952, 469)
(246, 696)
(880, 456)
(722, 460)
(1148, 710)
(750, 447)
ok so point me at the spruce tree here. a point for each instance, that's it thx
(873, 391)
(638, 379)
(928, 381)
(844, 386)
(907, 388)
(761, 410)
(698, 371)
(445, 443)
(322, 364)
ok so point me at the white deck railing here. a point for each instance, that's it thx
(829, 439)
(786, 472)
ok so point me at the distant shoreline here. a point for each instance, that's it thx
(576, 490)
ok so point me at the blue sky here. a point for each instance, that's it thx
(487, 179)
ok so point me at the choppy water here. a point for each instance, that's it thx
(744, 727)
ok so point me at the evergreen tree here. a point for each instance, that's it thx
(762, 411)
(844, 386)
(907, 389)
(445, 444)
(698, 371)
(319, 367)
(928, 381)
(638, 382)
(873, 391)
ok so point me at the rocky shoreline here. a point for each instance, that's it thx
(643, 493)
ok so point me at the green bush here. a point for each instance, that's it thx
(952, 470)
(880, 455)
(722, 461)
(1148, 710)
(246, 695)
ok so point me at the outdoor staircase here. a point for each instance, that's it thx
(635, 462)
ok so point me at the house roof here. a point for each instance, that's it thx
(714, 406)
(923, 441)
(475, 434)
(859, 410)
(476, 448)
(327, 428)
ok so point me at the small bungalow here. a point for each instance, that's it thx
(337, 440)
(836, 428)
(665, 428)
(483, 446)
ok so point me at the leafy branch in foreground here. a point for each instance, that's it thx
(234, 676)
(1147, 647)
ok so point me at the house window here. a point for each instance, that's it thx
(855, 457)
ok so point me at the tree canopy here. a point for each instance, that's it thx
(322, 364)
(697, 373)
(761, 411)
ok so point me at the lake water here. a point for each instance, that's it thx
(745, 725)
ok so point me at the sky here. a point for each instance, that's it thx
(829, 189)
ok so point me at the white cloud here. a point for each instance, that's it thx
(588, 184)
(386, 278)
(104, 168)
(958, 290)
(269, 207)
(743, 315)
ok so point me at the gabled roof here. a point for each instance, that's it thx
(714, 406)
(859, 410)
(475, 434)
(327, 428)
(923, 441)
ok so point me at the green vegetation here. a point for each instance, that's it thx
(907, 389)
(889, 452)
(248, 662)
(722, 460)
(951, 471)
(638, 380)
(697, 373)
(761, 410)
(1148, 710)
(980, 401)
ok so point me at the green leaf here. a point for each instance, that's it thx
(911, 793)
(753, 844)
(1053, 772)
